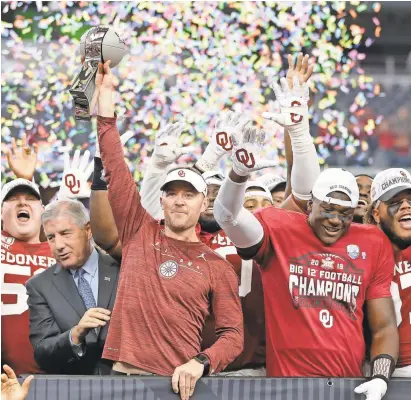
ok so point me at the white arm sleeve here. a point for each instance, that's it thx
(239, 224)
(150, 190)
(306, 167)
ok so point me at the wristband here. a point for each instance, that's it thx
(98, 183)
(382, 366)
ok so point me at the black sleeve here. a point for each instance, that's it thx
(52, 348)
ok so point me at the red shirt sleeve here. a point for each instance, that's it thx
(266, 246)
(226, 308)
(123, 195)
(383, 270)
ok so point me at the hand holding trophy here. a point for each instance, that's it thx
(98, 44)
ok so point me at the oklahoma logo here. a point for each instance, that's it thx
(245, 158)
(181, 173)
(71, 182)
(224, 141)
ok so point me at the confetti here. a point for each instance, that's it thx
(186, 60)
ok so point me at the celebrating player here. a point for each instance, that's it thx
(364, 186)
(317, 270)
(391, 210)
(257, 196)
(276, 185)
(22, 256)
(169, 279)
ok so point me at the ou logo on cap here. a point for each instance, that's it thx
(181, 173)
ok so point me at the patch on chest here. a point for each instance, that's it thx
(353, 251)
(168, 269)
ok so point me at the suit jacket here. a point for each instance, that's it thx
(55, 307)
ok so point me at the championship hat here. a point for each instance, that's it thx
(390, 182)
(186, 175)
(213, 178)
(271, 181)
(264, 192)
(20, 182)
(336, 180)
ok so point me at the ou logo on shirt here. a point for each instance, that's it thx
(326, 319)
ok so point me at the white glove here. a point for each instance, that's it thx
(245, 154)
(167, 147)
(75, 175)
(124, 138)
(374, 389)
(293, 105)
(227, 127)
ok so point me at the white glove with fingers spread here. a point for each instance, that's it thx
(374, 389)
(124, 138)
(75, 176)
(245, 154)
(167, 146)
(293, 106)
(226, 128)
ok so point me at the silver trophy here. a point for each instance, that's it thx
(92, 47)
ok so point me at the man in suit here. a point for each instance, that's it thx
(71, 302)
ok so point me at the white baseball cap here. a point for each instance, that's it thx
(336, 180)
(213, 177)
(186, 175)
(271, 181)
(258, 184)
(19, 182)
(390, 182)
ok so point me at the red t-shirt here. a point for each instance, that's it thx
(314, 293)
(401, 295)
(252, 302)
(19, 262)
(167, 288)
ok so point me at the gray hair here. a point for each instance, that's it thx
(68, 208)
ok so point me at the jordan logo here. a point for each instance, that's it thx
(202, 255)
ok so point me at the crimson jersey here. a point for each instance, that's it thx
(401, 295)
(19, 262)
(314, 293)
(252, 301)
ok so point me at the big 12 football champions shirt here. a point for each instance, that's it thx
(314, 294)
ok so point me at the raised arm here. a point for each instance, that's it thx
(123, 196)
(303, 71)
(22, 158)
(102, 221)
(240, 225)
(302, 162)
(221, 142)
(167, 150)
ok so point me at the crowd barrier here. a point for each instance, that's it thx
(58, 387)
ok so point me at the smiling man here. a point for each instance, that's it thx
(22, 256)
(391, 211)
(170, 279)
(364, 187)
(317, 270)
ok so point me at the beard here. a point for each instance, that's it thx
(209, 225)
(359, 219)
(401, 243)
